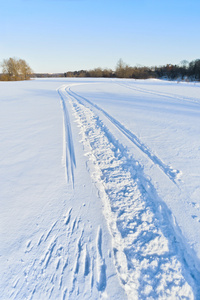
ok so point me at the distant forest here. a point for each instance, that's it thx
(18, 69)
(184, 71)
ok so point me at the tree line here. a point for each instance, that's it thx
(18, 69)
(185, 70)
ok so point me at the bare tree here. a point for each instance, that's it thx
(120, 68)
(15, 69)
(123, 70)
(24, 69)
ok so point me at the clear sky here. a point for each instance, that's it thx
(64, 35)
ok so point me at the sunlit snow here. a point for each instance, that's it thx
(99, 189)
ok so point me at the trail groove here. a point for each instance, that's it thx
(68, 153)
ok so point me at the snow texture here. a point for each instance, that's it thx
(99, 189)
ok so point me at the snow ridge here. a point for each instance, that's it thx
(149, 256)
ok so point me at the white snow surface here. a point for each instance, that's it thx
(99, 189)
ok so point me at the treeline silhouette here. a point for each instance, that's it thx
(184, 71)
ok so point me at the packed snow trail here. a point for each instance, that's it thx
(149, 257)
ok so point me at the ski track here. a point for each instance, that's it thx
(149, 254)
(68, 146)
(171, 173)
(171, 96)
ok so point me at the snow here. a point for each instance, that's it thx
(99, 189)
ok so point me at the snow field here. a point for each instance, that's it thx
(99, 189)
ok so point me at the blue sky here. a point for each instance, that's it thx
(63, 35)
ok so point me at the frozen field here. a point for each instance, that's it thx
(99, 189)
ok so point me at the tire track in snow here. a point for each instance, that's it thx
(150, 257)
(69, 153)
(171, 173)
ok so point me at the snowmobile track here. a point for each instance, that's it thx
(146, 246)
(171, 173)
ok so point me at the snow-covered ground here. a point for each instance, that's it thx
(99, 189)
